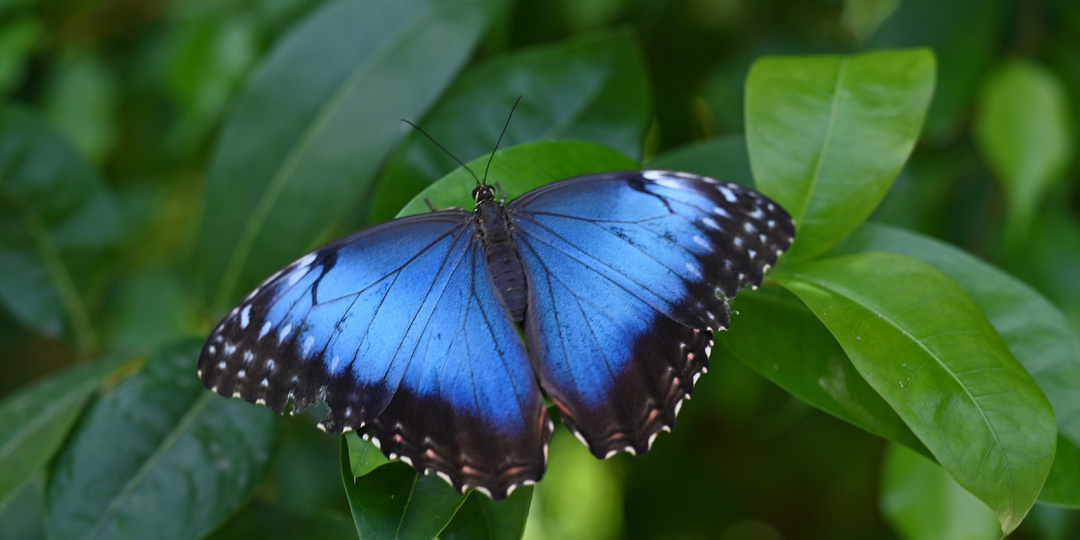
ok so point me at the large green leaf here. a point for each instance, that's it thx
(924, 346)
(158, 449)
(35, 421)
(778, 337)
(394, 501)
(827, 135)
(519, 169)
(318, 117)
(1036, 332)
(591, 88)
(922, 502)
(1023, 128)
(57, 221)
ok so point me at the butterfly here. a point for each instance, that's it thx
(438, 336)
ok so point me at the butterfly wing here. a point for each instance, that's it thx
(398, 327)
(628, 273)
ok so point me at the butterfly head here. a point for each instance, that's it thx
(483, 192)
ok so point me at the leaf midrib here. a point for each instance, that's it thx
(826, 142)
(152, 460)
(58, 271)
(292, 160)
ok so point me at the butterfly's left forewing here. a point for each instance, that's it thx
(398, 328)
(628, 274)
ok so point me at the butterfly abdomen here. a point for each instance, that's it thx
(503, 260)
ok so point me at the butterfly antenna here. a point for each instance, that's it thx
(443, 148)
(507, 124)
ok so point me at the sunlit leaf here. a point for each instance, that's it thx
(925, 346)
(782, 340)
(1036, 332)
(827, 135)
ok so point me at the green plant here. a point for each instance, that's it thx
(904, 336)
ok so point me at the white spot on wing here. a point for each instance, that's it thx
(693, 270)
(245, 317)
(728, 194)
(708, 221)
(308, 343)
(288, 328)
(702, 242)
(265, 329)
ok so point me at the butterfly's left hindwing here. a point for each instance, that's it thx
(398, 327)
(628, 275)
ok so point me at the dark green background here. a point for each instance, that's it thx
(141, 96)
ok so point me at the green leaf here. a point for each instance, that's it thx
(364, 456)
(1063, 484)
(82, 102)
(18, 37)
(591, 88)
(519, 169)
(35, 420)
(1023, 128)
(57, 223)
(158, 449)
(922, 502)
(827, 135)
(1038, 335)
(317, 119)
(482, 518)
(395, 501)
(924, 345)
(723, 158)
(779, 338)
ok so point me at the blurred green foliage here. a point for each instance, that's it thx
(133, 131)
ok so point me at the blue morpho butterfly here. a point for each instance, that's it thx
(408, 329)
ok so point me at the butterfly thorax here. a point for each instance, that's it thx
(503, 260)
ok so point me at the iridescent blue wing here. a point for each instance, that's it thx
(399, 328)
(628, 273)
